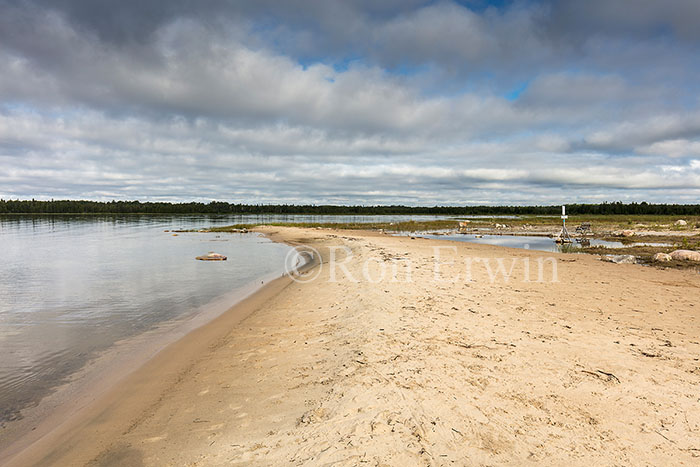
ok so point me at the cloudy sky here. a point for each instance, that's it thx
(351, 102)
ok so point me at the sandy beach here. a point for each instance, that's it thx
(403, 351)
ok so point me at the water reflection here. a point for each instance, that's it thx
(531, 242)
(71, 286)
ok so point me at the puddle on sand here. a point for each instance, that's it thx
(529, 242)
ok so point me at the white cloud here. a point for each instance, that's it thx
(645, 130)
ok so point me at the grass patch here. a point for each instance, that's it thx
(408, 226)
(600, 225)
(601, 222)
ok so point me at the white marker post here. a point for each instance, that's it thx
(564, 236)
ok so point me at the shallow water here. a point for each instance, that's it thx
(70, 287)
(528, 242)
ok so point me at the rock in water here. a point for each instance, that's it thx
(211, 256)
(685, 255)
(680, 222)
(662, 258)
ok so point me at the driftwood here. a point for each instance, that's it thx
(471, 346)
(601, 373)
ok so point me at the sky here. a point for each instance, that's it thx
(351, 102)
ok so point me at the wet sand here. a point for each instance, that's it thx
(600, 367)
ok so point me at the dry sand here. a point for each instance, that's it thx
(599, 368)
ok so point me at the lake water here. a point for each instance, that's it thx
(71, 287)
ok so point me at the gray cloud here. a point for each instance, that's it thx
(348, 102)
(625, 18)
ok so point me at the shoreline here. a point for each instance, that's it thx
(343, 371)
(60, 410)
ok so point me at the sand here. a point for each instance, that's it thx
(599, 368)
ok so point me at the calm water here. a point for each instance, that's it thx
(531, 242)
(72, 287)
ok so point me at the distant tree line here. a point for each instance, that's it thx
(217, 207)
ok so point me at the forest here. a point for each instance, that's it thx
(218, 207)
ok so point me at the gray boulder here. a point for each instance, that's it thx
(619, 259)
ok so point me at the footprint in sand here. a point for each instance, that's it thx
(276, 396)
(155, 439)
